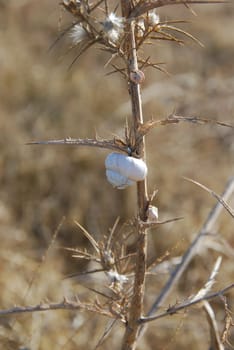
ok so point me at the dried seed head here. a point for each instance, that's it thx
(78, 34)
(113, 27)
(140, 27)
(113, 22)
(153, 18)
(114, 277)
(74, 6)
(137, 77)
(152, 213)
(113, 35)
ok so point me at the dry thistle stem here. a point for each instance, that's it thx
(123, 32)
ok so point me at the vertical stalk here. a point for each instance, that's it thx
(136, 306)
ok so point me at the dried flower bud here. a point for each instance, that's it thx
(123, 171)
(153, 18)
(114, 277)
(152, 213)
(75, 7)
(137, 76)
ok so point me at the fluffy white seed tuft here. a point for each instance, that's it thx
(113, 27)
(113, 22)
(78, 34)
(153, 18)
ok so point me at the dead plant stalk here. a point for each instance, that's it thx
(122, 38)
(135, 313)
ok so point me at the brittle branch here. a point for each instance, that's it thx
(174, 309)
(115, 144)
(146, 6)
(63, 305)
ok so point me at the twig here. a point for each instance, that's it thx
(174, 309)
(228, 322)
(210, 282)
(215, 341)
(110, 325)
(188, 255)
(64, 305)
(88, 236)
(150, 5)
(136, 305)
(116, 144)
(198, 120)
(174, 119)
(44, 257)
(215, 195)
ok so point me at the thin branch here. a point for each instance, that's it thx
(116, 144)
(88, 236)
(210, 282)
(61, 35)
(181, 31)
(174, 309)
(147, 6)
(44, 257)
(136, 305)
(198, 120)
(175, 119)
(228, 322)
(64, 305)
(106, 333)
(152, 224)
(215, 341)
(82, 50)
(191, 251)
(83, 273)
(215, 195)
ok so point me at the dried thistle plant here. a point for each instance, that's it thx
(123, 29)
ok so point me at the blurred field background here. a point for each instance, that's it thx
(41, 99)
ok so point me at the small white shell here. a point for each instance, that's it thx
(118, 180)
(123, 170)
(133, 168)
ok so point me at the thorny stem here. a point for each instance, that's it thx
(189, 254)
(137, 116)
(136, 306)
(146, 6)
(191, 251)
(176, 308)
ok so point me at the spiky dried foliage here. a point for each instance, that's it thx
(121, 297)
(124, 37)
(96, 24)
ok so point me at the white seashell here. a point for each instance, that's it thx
(117, 180)
(133, 168)
(152, 213)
